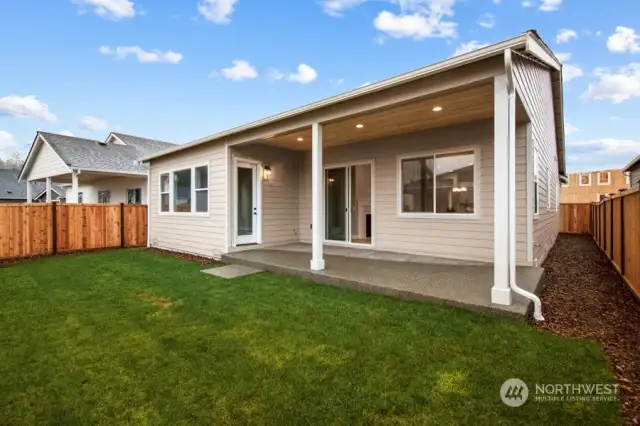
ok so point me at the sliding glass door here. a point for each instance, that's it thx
(348, 206)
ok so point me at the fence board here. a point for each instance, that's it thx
(575, 218)
(27, 229)
(632, 240)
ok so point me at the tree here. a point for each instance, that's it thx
(13, 162)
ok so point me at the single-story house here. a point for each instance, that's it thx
(633, 171)
(14, 191)
(92, 171)
(461, 159)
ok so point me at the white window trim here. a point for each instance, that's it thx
(580, 179)
(477, 162)
(608, 182)
(193, 212)
(195, 190)
(133, 189)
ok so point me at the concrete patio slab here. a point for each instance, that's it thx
(467, 286)
(231, 271)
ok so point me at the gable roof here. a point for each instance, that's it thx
(94, 155)
(12, 189)
(530, 43)
(631, 164)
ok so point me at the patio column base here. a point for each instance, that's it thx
(501, 296)
(317, 265)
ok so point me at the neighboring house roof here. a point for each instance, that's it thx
(12, 189)
(99, 156)
(633, 163)
(528, 43)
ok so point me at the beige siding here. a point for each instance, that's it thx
(533, 82)
(464, 239)
(205, 236)
(280, 219)
(46, 163)
(116, 185)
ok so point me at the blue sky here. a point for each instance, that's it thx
(178, 70)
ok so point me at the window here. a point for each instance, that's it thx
(185, 191)
(104, 197)
(80, 196)
(438, 184)
(164, 193)
(585, 179)
(604, 178)
(536, 189)
(202, 189)
(134, 196)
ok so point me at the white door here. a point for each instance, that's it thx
(246, 195)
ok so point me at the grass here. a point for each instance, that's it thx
(138, 337)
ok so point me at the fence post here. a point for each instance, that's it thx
(54, 228)
(612, 230)
(121, 224)
(622, 235)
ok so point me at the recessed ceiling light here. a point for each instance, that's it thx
(300, 139)
(359, 126)
(437, 108)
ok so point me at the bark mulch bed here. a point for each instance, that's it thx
(204, 261)
(584, 297)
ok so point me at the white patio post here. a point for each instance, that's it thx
(317, 197)
(501, 291)
(29, 192)
(74, 188)
(48, 190)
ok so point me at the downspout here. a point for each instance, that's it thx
(511, 132)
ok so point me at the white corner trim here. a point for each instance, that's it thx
(530, 194)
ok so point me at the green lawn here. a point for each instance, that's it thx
(142, 338)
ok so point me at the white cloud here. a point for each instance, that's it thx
(550, 5)
(275, 75)
(614, 118)
(241, 70)
(109, 9)
(143, 56)
(615, 86)
(468, 47)
(570, 71)
(565, 35)
(66, 133)
(563, 56)
(305, 74)
(365, 84)
(336, 8)
(26, 106)
(487, 20)
(93, 123)
(336, 82)
(527, 3)
(414, 26)
(624, 40)
(570, 128)
(598, 154)
(496, 1)
(218, 11)
(7, 145)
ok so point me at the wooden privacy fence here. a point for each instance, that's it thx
(39, 229)
(614, 224)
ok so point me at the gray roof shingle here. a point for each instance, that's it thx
(91, 154)
(11, 189)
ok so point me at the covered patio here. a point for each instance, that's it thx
(457, 283)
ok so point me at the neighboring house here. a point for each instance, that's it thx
(461, 159)
(633, 170)
(590, 187)
(14, 191)
(92, 171)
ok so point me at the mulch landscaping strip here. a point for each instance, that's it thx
(583, 296)
(204, 261)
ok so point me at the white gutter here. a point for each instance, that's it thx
(537, 310)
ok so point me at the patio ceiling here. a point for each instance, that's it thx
(472, 103)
